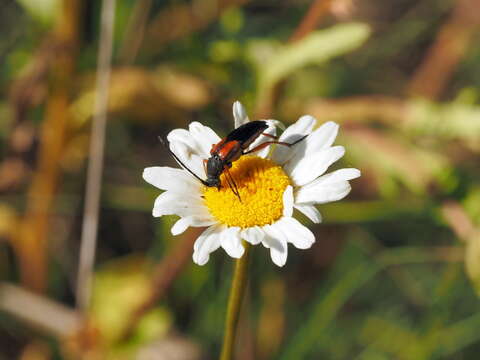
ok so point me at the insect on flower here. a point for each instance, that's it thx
(271, 182)
(230, 149)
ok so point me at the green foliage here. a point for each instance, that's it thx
(274, 62)
(392, 274)
(43, 11)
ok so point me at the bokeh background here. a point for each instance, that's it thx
(395, 271)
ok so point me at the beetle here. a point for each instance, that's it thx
(230, 149)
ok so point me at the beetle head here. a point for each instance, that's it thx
(215, 167)
(213, 182)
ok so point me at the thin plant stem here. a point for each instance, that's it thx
(317, 10)
(95, 165)
(237, 291)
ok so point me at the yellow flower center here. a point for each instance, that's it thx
(261, 184)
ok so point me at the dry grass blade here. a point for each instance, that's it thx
(94, 177)
(318, 9)
(39, 312)
(449, 48)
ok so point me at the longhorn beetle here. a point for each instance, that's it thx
(228, 150)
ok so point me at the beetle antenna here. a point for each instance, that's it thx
(164, 143)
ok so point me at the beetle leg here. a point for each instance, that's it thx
(270, 136)
(205, 166)
(231, 183)
(265, 144)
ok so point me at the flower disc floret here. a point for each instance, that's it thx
(261, 184)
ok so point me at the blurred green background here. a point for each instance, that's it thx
(395, 271)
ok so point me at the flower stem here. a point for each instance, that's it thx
(239, 283)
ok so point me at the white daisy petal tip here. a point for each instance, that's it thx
(313, 165)
(276, 241)
(354, 173)
(236, 252)
(239, 114)
(307, 122)
(310, 212)
(279, 258)
(297, 234)
(180, 226)
(195, 126)
(197, 259)
(148, 174)
(275, 123)
(157, 212)
(330, 125)
(231, 242)
(206, 243)
(326, 134)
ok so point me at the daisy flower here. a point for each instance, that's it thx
(271, 183)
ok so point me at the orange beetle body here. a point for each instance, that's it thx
(230, 149)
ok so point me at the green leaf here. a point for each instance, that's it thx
(119, 288)
(316, 48)
(41, 10)
(451, 121)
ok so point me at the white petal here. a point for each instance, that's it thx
(205, 137)
(327, 188)
(277, 243)
(167, 178)
(288, 201)
(180, 226)
(324, 194)
(239, 114)
(190, 159)
(313, 165)
(336, 176)
(297, 234)
(309, 211)
(302, 127)
(207, 242)
(184, 137)
(276, 123)
(170, 203)
(197, 141)
(254, 235)
(320, 139)
(231, 242)
(196, 221)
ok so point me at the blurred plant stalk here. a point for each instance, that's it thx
(317, 11)
(95, 164)
(239, 283)
(448, 49)
(31, 237)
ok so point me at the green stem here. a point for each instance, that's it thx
(239, 283)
